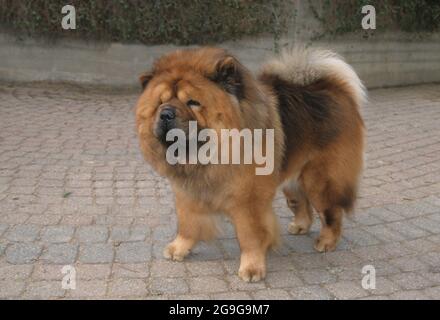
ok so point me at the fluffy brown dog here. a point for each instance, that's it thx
(311, 99)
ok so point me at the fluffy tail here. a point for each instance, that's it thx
(304, 66)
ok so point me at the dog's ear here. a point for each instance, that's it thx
(228, 75)
(145, 78)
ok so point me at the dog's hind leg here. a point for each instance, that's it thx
(299, 204)
(330, 198)
(331, 229)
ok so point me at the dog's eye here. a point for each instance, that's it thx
(192, 103)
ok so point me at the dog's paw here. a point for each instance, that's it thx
(294, 228)
(325, 244)
(175, 251)
(252, 272)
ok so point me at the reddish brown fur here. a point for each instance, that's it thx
(318, 159)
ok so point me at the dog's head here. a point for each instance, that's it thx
(204, 85)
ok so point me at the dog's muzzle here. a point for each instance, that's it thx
(165, 122)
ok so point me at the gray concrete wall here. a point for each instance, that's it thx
(385, 59)
(391, 60)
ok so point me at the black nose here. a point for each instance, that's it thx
(168, 113)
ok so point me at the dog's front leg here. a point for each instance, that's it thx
(194, 223)
(257, 230)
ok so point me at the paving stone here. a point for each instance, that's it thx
(130, 270)
(172, 286)
(132, 252)
(125, 233)
(110, 220)
(11, 288)
(434, 239)
(317, 276)
(350, 272)
(433, 276)
(375, 298)
(203, 268)
(282, 279)
(44, 219)
(384, 287)
(302, 244)
(92, 271)
(385, 233)
(432, 258)
(19, 253)
(271, 294)
(75, 220)
(231, 266)
(62, 253)
(433, 292)
(3, 245)
(410, 281)
(310, 293)
(23, 233)
(367, 219)
(385, 268)
(57, 234)
(207, 284)
(3, 228)
(120, 233)
(371, 253)
(421, 245)
(383, 214)
(409, 263)
(435, 200)
(96, 253)
(89, 289)
(347, 290)
(48, 272)
(360, 237)
(44, 290)
(185, 297)
(396, 250)
(408, 230)
(307, 261)
(409, 295)
(15, 218)
(127, 287)
(428, 224)
(206, 251)
(92, 234)
(231, 248)
(279, 263)
(414, 208)
(231, 296)
(342, 258)
(167, 268)
(15, 272)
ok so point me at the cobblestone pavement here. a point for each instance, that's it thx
(74, 190)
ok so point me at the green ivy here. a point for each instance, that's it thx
(148, 21)
(340, 17)
(205, 21)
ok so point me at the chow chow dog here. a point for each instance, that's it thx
(310, 98)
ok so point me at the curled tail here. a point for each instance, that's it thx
(302, 66)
